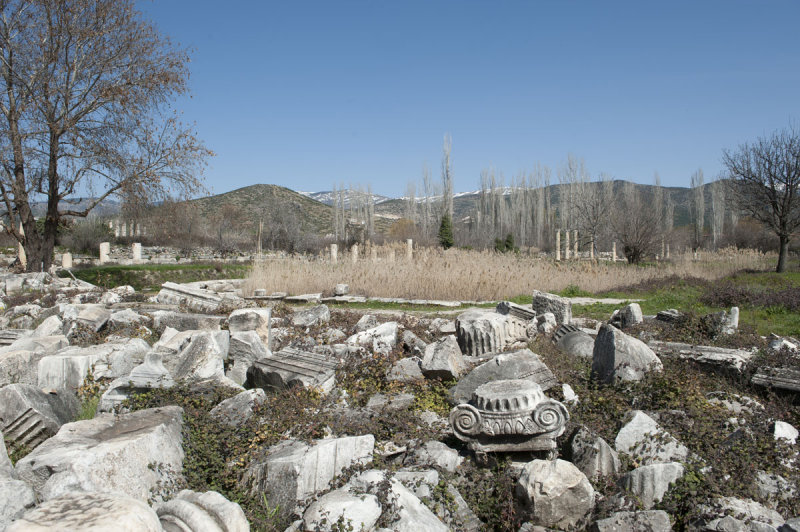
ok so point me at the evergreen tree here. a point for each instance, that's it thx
(446, 232)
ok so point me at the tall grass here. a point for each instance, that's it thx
(464, 275)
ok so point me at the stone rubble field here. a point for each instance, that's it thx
(199, 410)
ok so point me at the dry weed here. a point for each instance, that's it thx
(464, 275)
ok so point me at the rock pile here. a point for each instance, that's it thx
(121, 467)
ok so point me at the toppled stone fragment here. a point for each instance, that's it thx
(28, 416)
(181, 321)
(380, 339)
(292, 470)
(144, 377)
(650, 520)
(312, 316)
(481, 332)
(649, 483)
(592, 455)
(559, 306)
(574, 341)
(191, 511)
(292, 367)
(239, 408)
(509, 415)
(194, 299)
(406, 370)
(130, 454)
(619, 357)
(89, 511)
(443, 360)
(555, 493)
(245, 348)
(645, 440)
(252, 319)
(630, 315)
(522, 364)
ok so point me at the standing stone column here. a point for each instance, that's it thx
(374, 254)
(66, 261)
(575, 235)
(667, 250)
(354, 253)
(566, 246)
(409, 249)
(614, 252)
(558, 244)
(105, 250)
(116, 228)
(23, 258)
(136, 251)
(334, 253)
(591, 250)
(663, 248)
(124, 230)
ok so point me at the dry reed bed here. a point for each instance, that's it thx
(480, 275)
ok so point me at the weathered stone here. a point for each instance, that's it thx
(777, 343)
(341, 289)
(252, 319)
(359, 511)
(619, 357)
(51, 326)
(650, 520)
(93, 316)
(89, 511)
(292, 367)
(546, 323)
(380, 339)
(191, 511)
(194, 299)
(421, 483)
(69, 367)
(411, 515)
(380, 402)
(784, 379)
(574, 341)
(144, 377)
(6, 467)
(480, 332)
(771, 486)
(239, 408)
(669, 316)
(522, 364)
(747, 510)
(202, 358)
(559, 306)
(723, 322)
(245, 348)
(509, 415)
(592, 455)
(9, 336)
(644, 439)
(443, 360)
(630, 315)
(181, 321)
(442, 326)
(15, 498)
(128, 318)
(649, 483)
(555, 493)
(413, 344)
(785, 432)
(367, 321)
(292, 470)
(311, 316)
(434, 453)
(518, 311)
(131, 454)
(28, 416)
(406, 370)
(721, 358)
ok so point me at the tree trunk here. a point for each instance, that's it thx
(783, 254)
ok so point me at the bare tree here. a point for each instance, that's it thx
(697, 208)
(84, 90)
(635, 224)
(765, 177)
(447, 176)
(718, 209)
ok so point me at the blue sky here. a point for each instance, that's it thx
(308, 94)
